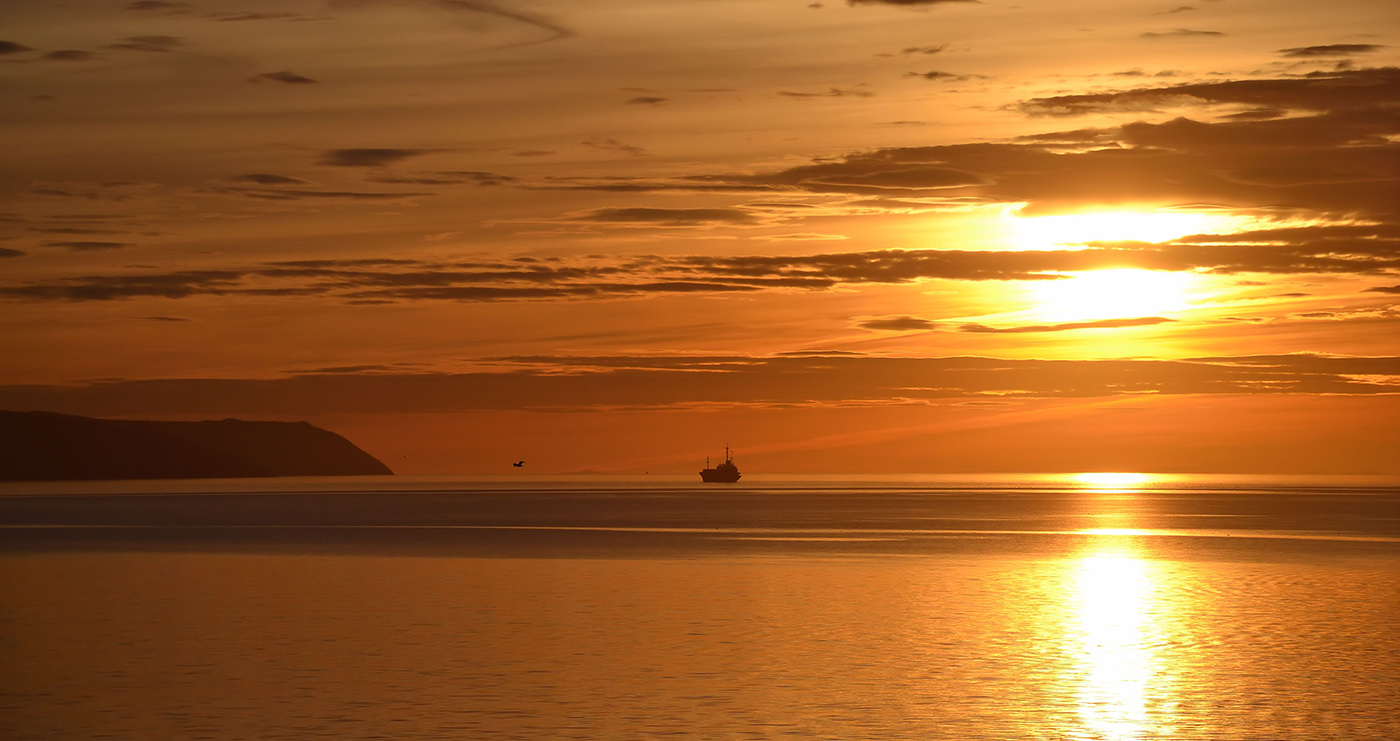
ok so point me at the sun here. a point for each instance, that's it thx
(1099, 295)
(1112, 294)
(1112, 479)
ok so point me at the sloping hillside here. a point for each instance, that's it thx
(43, 446)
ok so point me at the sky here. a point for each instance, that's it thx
(872, 236)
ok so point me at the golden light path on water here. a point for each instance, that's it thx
(1113, 591)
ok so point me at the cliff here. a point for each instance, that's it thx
(43, 446)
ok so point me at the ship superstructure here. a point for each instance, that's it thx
(724, 473)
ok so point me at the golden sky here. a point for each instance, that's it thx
(613, 235)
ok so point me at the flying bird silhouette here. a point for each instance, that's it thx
(519, 464)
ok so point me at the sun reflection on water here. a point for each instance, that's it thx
(1113, 593)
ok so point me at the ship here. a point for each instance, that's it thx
(724, 473)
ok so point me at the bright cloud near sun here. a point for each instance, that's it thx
(1060, 231)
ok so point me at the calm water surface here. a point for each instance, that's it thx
(976, 608)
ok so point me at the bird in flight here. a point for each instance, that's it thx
(519, 464)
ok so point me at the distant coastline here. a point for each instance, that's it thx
(45, 446)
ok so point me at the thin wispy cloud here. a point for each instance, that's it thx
(1066, 326)
(908, 3)
(613, 145)
(308, 194)
(939, 76)
(1330, 50)
(70, 55)
(898, 324)
(264, 16)
(546, 383)
(551, 27)
(368, 157)
(1317, 92)
(448, 177)
(157, 5)
(265, 178)
(160, 44)
(73, 230)
(285, 76)
(666, 217)
(1322, 250)
(829, 93)
(1179, 33)
(89, 246)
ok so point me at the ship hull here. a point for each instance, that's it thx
(716, 476)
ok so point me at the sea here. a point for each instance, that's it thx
(657, 607)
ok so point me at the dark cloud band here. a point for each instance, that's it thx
(1336, 249)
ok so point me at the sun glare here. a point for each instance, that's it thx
(1112, 294)
(1112, 479)
(1060, 231)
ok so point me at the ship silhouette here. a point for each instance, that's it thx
(724, 473)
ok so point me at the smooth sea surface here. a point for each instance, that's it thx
(991, 607)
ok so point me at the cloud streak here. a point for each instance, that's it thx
(908, 3)
(370, 157)
(898, 324)
(938, 76)
(1330, 50)
(285, 76)
(1332, 92)
(554, 30)
(667, 217)
(1067, 326)
(160, 44)
(834, 92)
(70, 55)
(1337, 249)
(617, 382)
(613, 145)
(86, 246)
(1181, 33)
(157, 5)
